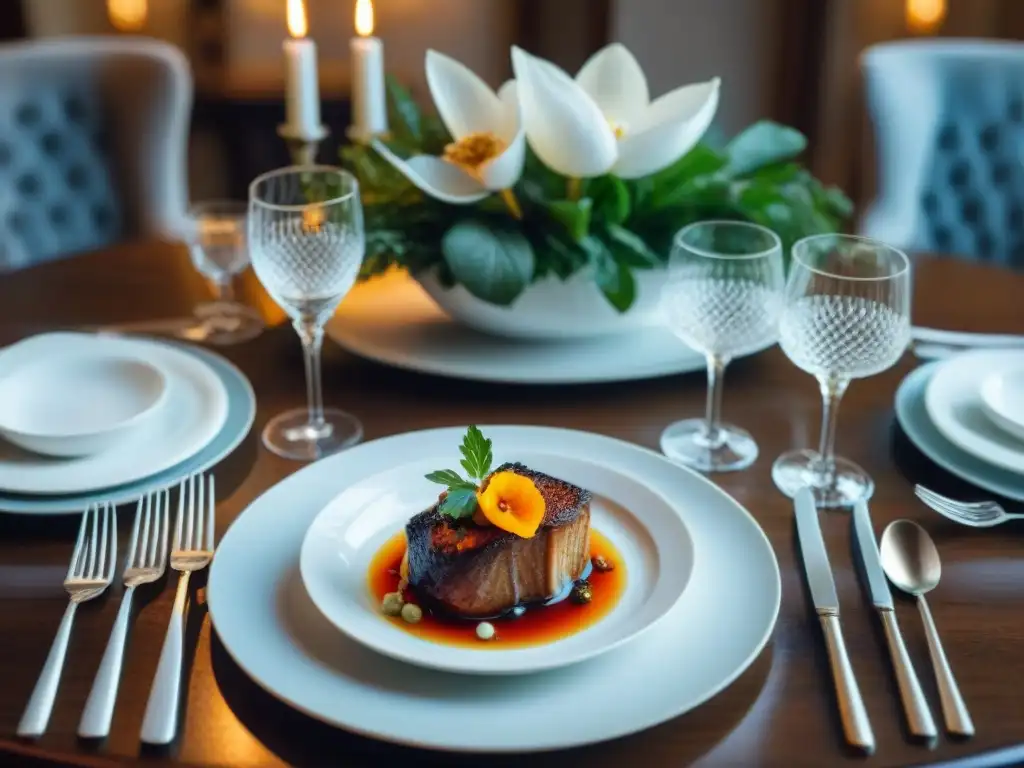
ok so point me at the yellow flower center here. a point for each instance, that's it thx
(473, 151)
(619, 129)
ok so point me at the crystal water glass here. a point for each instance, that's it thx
(217, 244)
(846, 316)
(722, 296)
(307, 242)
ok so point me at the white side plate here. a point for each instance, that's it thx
(647, 531)
(267, 623)
(1002, 398)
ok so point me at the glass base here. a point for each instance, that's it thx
(796, 469)
(223, 323)
(686, 442)
(292, 436)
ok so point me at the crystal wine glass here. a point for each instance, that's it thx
(847, 316)
(217, 245)
(722, 296)
(307, 242)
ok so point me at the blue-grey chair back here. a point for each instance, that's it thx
(93, 139)
(948, 120)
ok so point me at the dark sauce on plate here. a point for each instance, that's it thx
(538, 624)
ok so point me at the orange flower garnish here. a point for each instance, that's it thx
(513, 503)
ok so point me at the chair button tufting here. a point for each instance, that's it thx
(1015, 110)
(1015, 219)
(948, 139)
(74, 109)
(16, 222)
(990, 138)
(28, 184)
(959, 174)
(930, 203)
(972, 211)
(5, 154)
(76, 177)
(58, 215)
(28, 115)
(102, 217)
(1000, 173)
(52, 143)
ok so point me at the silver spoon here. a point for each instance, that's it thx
(911, 562)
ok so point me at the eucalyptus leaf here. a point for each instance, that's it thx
(574, 215)
(611, 199)
(764, 143)
(630, 249)
(493, 263)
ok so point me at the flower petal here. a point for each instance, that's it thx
(504, 171)
(436, 177)
(508, 95)
(614, 80)
(563, 124)
(670, 128)
(465, 102)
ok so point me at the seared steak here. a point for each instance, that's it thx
(478, 571)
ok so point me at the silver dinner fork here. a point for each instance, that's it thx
(90, 572)
(192, 551)
(144, 563)
(977, 514)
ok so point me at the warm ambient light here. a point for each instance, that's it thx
(364, 18)
(297, 24)
(925, 16)
(127, 15)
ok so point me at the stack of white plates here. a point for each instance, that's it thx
(393, 321)
(290, 601)
(966, 414)
(90, 418)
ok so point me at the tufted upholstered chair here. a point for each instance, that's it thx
(93, 134)
(949, 133)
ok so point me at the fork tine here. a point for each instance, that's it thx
(91, 548)
(969, 510)
(101, 545)
(953, 510)
(146, 513)
(166, 507)
(210, 518)
(130, 558)
(76, 554)
(923, 492)
(112, 559)
(182, 492)
(200, 503)
(186, 543)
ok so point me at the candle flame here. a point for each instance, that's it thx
(925, 16)
(127, 15)
(297, 24)
(364, 17)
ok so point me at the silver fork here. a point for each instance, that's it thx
(977, 514)
(144, 563)
(90, 572)
(192, 551)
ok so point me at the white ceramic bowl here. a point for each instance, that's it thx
(79, 405)
(552, 308)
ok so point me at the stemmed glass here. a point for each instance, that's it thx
(217, 245)
(847, 316)
(307, 241)
(722, 296)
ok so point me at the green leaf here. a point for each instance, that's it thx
(630, 249)
(574, 215)
(611, 199)
(563, 258)
(450, 478)
(404, 113)
(764, 143)
(612, 277)
(493, 263)
(476, 450)
(459, 503)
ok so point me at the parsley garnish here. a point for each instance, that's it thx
(477, 457)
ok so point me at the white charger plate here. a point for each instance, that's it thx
(913, 417)
(1002, 398)
(269, 626)
(193, 412)
(645, 528)
(954, 404)
(393, 321)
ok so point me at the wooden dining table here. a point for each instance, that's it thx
(781, 711)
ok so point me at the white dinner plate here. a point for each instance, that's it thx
(913, 418)
(192, 414)
(269, 626)
(645, 528)
(392, 320)
(953, 400)
(1002, 398)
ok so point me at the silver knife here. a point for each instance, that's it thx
(919, 717)
(856, 726)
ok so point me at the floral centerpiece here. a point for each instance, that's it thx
(554, 178)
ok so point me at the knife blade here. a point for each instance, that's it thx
(856, 726)
(919, 717)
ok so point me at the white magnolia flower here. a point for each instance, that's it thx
(490, 143)
(604, 120)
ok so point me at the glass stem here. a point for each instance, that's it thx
(312, 337)
(832, 391)
(225, 289)
(713, 425)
